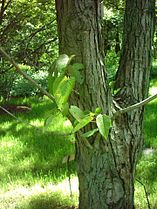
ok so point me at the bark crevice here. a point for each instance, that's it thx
(106, 170)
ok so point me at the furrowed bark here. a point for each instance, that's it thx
(132, 82)
(106, 168)
(80, 34)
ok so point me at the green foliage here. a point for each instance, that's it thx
(63, 91)
(98, 110)
(86, 120)
(59, 65)
(90, 133)
(21, 87)
(113, 26)
(51, 118)
(54, 82)
(7, 78)
(153, 72)
(28, 32)
(33, 38)
(104, 124)
(61, 88)
(77, 113)
(111, 63)
(61, 80)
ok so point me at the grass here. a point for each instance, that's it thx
(147, 166)
(32, 175)
(29, 156)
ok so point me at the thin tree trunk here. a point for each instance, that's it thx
(106, 167)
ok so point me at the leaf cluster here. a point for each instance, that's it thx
(62, 78)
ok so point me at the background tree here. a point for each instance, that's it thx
(28, 31)
(106, 168)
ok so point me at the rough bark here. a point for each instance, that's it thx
(80, 34)
(132, 83)
(106, 167)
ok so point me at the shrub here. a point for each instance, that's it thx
(111, 63)
(23, 88)
(6, 81)
(153, 72)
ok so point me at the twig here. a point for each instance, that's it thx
(135, 106)
(41, 29)
(21, 121)
(29, 124)
(44, 44)
(146, 193)
(27, 77)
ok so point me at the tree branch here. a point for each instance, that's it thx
(19, 120)
(27, 77)
(135, 106)
(44, 44)
(29, 124)
(40, 29)
(3, 8)
(7, 4)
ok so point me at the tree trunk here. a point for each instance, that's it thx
(106, 167)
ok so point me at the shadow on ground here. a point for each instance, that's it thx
(44, 150)
(54, 201)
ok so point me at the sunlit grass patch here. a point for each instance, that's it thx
(140, 198)
(153, 90)
(29, 155)
(146, 183)
(150, 125)
(147, 166)
(45, 196)
(31, 159)
(153, 87)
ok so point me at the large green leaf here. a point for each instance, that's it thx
(70, 59)
(90, 133)
(52, 70)
(83, 122)
(76, 112)
(62, 62)
(65, 109)
(51, 118)
(63, 91)
(57, 82)
(104, 124)
(50, 83)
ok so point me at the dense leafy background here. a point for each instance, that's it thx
(28, 33)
